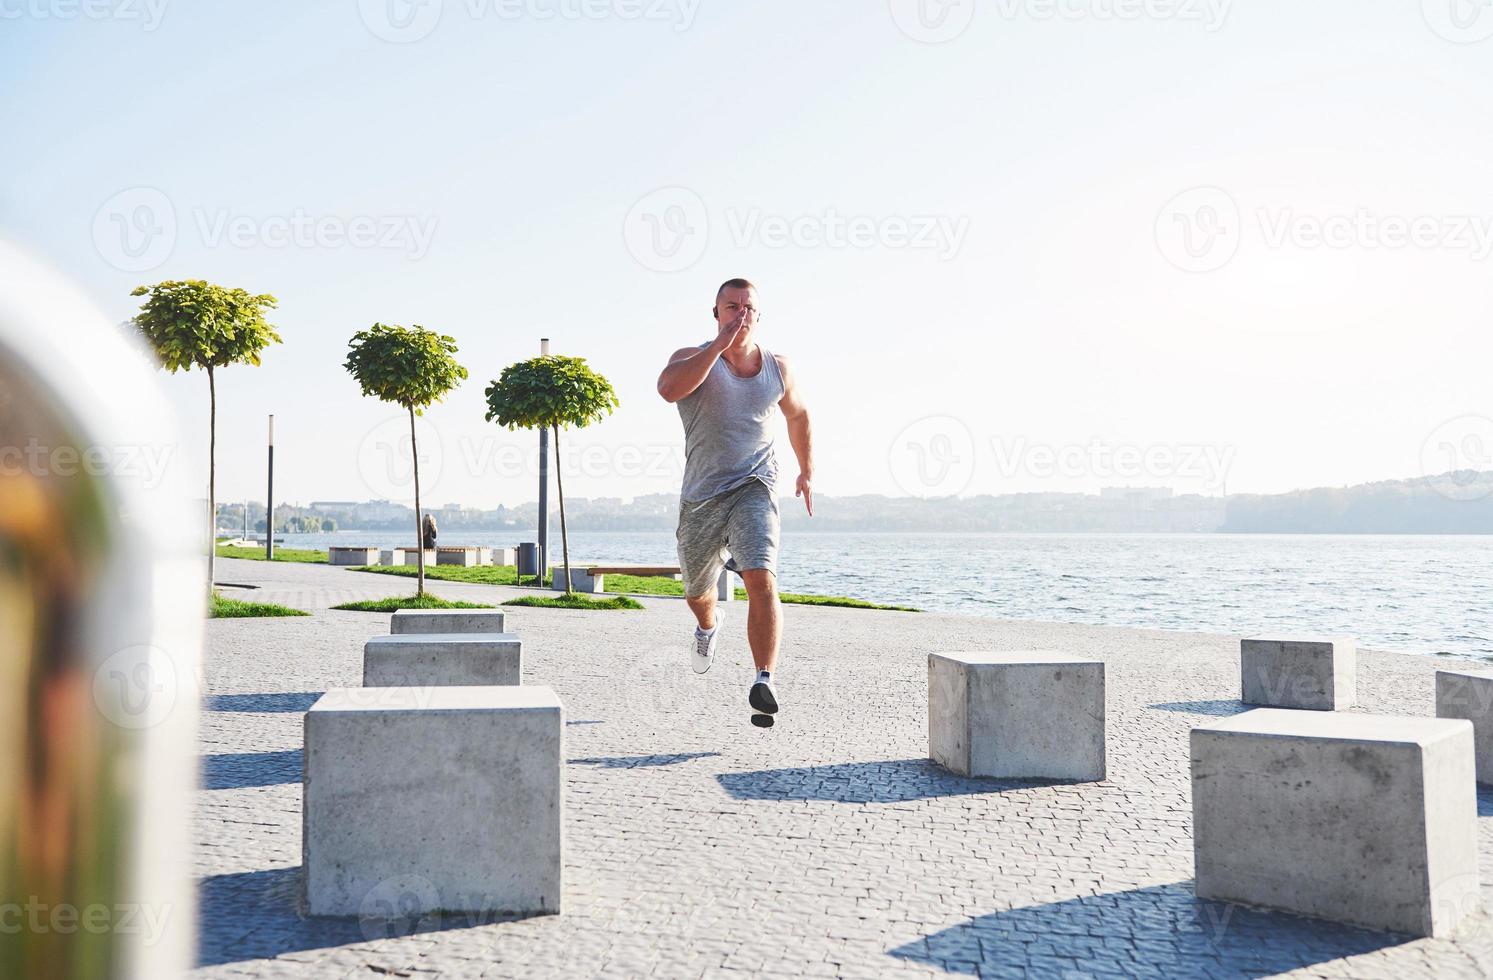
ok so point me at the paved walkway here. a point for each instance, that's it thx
(698, 845)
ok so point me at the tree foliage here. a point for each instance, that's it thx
(411, 367)
(549, 391)
(193, 323)
(197, 324)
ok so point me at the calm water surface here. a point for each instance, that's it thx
(1412, 593)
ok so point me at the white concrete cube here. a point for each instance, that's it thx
(1315, 673)
(1470, 696)
(581, 579)
(1023, 715)
(391, 556)
(447, 621)
(443, 659)
(504, 556)
(449, 797)
(352, 556)
(412, 556)
(1365, 819)
(466, 557)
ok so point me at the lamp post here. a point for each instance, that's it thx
(544, 484)
(269, 506)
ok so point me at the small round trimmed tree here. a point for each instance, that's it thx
(196, 324)
(413, 368)
(551, 392)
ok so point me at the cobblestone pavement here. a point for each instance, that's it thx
(698, 845)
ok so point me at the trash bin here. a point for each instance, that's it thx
(528, 559)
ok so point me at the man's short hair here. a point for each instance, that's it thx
(734, 284)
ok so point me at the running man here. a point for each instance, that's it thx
(726, 390)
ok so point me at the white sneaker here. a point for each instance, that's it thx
(705, 644)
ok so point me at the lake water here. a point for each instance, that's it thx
(1411, 593)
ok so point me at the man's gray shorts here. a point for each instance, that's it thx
(743, 521)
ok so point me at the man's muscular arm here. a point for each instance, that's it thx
(800, 433)
(689, 366)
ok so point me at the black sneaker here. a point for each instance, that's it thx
(762, 698)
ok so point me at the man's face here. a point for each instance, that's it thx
(728, 306)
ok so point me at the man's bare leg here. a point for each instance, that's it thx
(764, 617)
(704, 609)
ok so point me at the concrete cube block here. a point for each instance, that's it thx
(1470, 696)
(581, 579)
(391, 556)
(467, 557)
(504, 556)
(449, 796)
(352, 556)
(412, 556)
(443, 659)
(1025, 715)
(447, 621)
(1365, 819)
(1315, 673)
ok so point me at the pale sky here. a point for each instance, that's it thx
(1012, 245)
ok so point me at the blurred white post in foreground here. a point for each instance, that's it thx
(101, 610)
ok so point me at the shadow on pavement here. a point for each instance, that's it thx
(240, 770)
(891, 781)
(257, 915)
(1161, 931)
(296, 703)
(1219, 708)
(641, 761)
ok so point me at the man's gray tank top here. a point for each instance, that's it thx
(728, 429)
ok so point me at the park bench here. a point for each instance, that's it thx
(462, 555)
(352, 556)
(591, 577)
(1365, 819)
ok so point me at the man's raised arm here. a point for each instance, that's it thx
(690, 366)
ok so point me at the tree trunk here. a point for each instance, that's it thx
(212, 480)
(419, 530)
(560, 492)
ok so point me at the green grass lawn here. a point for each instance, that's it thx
(477, 574)
(631, 584)
(396, 603)
(307, 555)
(575, 600)
(224, 608)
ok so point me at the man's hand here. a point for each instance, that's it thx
(729, 330)
(805, 492)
